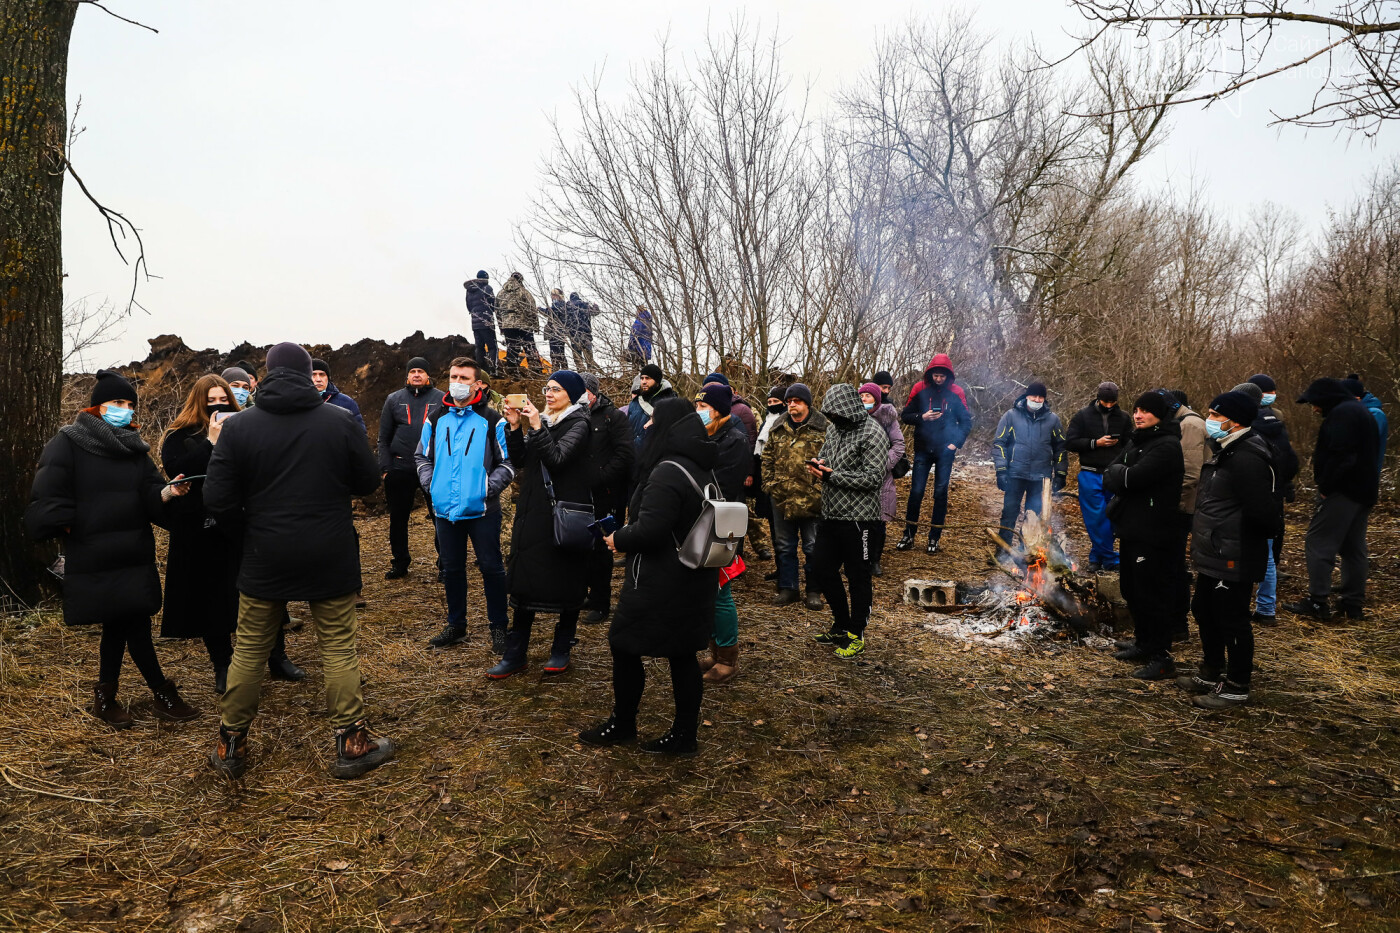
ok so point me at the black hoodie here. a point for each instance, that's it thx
(1345, 458)
(287, 470)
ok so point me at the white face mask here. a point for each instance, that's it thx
(1034, 406)
(461, 391)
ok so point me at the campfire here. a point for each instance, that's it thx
(1036, 593)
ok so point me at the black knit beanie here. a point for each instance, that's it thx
(110, 387)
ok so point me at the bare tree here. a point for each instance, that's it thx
(1356, 52)
(85, 328)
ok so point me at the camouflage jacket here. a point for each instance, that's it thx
(795, 492)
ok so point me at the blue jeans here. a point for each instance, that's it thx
(785, 536)
(1266, 598)
(484, 533)
(1093, 505)
(941, 463)
(1016, 490)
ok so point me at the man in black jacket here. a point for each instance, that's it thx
(1271, 428)
(611, 455)
(1095, 433)
(1348, 483)
(400, 426)
(1145, 483)
(286, 472)
(1237, 514)
(481, 305)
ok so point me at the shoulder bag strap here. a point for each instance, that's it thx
(548, 481)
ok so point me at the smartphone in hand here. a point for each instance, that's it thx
(603, 527)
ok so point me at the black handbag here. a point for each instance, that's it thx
(571, 519)
(902, 466)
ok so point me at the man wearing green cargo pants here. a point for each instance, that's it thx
(285, 473)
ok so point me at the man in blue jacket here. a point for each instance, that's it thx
(400, 425)
(463, 466)
(1373, 405)
(321, 378)
(1028, 447)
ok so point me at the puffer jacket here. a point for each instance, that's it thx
(481, 304)
(1195, 451)
(515, 307)
(1237, 513)
(735, 461)
(1145, 482)
(339, 399)
(933, 435)
(1344, 457)
(856, 449)
(889, 420)
(1029, 444)
(1373, 405)
(1271, 428)
(461, 460)
(401, 424)
(795, 492)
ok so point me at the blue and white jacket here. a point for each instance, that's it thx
(462, 460)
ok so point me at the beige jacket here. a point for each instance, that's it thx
(1195, 450)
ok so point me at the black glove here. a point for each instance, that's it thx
(1058, 483)
(1001, 480)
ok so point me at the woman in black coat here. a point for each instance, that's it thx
(201, 563)
(540, 576)
(666, 609)
(1145, 482)
(98, 492)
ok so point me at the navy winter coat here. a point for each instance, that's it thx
(1029, 445)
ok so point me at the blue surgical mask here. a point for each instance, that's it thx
(1034, 406)
(241, 396)
(705, 415)
(868, 405)
(1268, 398)
(1216, 430)
(118, 417)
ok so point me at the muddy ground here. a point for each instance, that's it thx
(930, 785)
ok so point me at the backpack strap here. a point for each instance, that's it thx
(714, 481)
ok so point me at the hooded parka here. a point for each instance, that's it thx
(855, 449)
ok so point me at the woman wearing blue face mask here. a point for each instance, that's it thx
(714, 405)
(240, 383)
(98, 492)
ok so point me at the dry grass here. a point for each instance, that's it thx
(933, 785)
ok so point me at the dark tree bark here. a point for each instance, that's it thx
(33, 134)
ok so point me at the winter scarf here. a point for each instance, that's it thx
(98, 437)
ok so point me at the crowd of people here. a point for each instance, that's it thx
(260, 475)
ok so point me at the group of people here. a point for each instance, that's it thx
(568, 325)
(260, 477)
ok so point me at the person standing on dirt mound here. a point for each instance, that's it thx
(481, 306)
(1144, 482)
(519, 320)
(1236, 517)
(98, 492)
(321, 378)
(288, 470)
(1028, 448)
(851, 468)
(1095, 433)
(549, 452)
(666, 609)
(400, 426)
(937, 408)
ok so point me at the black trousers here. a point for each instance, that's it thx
(520, 344)
(133, 636)
(487, 350)
(843, 545)
(1221, 608)
(877, 540)
(400, 490)
(600, 577)
(687, 686)
(1179, 575)
(1143, 576)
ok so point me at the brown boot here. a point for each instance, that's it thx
(357, 753)
(106, 708)
(708, 662)
(726, 665)
(170, 707)
(230, 754)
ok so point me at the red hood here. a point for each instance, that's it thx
(944, 361)
(941, 361)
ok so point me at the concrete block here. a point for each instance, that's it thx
(930, 594)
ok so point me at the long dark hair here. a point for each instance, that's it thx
(667, 417)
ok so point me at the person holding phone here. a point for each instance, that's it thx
(201, 562)
(541, 576)
(937, 409)
(97, 491)
(1096, 434)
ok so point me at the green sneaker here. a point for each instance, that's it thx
(854, 646)
(830, 638)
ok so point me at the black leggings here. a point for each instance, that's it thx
(630, 676)
(128, 635)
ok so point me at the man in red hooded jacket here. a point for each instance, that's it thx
(942, 421)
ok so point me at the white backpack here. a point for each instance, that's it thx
(713, 541)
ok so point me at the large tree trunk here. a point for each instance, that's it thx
(33, 134)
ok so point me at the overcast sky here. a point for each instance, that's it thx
(322, 172)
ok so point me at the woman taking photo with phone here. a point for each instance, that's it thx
(201, 565)
(98, 492)
(549, 450)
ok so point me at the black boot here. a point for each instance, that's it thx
(610, 731)
(907, 540)
(280, 665)
(1310, 607)
(673, 743)
(221, 679)
(514, 660)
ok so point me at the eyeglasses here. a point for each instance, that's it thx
(551, 390)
